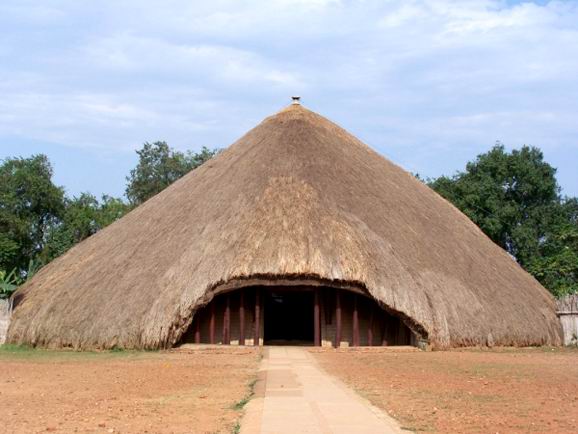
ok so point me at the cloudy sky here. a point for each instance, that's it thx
(429, 84)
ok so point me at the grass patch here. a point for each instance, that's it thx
(27, 352)
(12, 348)
(240, 405)
(243, 402)
(236, 428)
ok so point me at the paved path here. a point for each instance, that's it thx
(294, 395)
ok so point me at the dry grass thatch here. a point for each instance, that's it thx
(297, 197)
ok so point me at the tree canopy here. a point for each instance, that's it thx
(29, 204)
(83, 216)
(38, 222)
(158, 167)
(515, 199)
(557, 264)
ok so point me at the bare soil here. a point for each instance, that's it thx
(199, 390)
(486, 391)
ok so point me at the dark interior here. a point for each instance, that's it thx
(288, 317)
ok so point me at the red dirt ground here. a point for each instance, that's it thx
(125, 392)
(486, 391)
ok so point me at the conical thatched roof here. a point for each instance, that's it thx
(296, 198)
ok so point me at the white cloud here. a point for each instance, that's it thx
(409, 76)
(143, 55)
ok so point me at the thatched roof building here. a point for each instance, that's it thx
(297, 202)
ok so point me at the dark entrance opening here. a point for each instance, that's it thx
(289, 317)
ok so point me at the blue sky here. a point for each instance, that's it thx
(429, 84)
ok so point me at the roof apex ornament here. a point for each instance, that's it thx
(296, 100)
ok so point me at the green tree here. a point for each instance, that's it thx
(29, 204)
(557, 265)
(38, 223)
(515, 199)
(8, 283)
(510, 196)
(158, 167)
(83, 216)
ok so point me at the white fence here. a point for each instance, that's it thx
(568, 313)
(5, 312)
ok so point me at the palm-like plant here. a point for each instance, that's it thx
(8, 283)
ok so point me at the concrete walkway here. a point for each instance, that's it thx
(294, 395)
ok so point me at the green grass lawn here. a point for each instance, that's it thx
(26, 352)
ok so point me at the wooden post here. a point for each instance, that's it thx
(355, 321)
(327, 307)
(316, 319)
(226, 321)
(394, 339)
(197, 328)
(370, 328)
(212, 322)
(242, 317)
(384, 330)
(256, 333)
(337, 318)
(403, 336)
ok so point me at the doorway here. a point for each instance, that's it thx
(288, 317)
(296, 315)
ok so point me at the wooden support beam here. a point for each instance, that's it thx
(403, 334)
(212, 323)
(327, 305)
(257, 331)
(197, 326)
(370, 327)
(394, 339)
(337, 318)
(227, 321)
(316, 319)
(355, 321)
(242, 317)
(384, 330)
